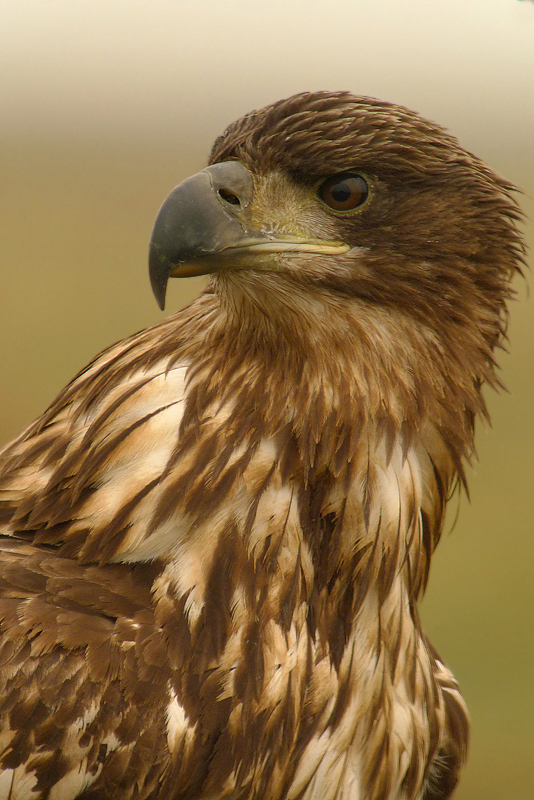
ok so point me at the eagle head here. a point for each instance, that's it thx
(353, 196)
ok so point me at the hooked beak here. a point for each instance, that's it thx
(202, 227)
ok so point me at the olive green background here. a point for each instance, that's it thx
(104, 107)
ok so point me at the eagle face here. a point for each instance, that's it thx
(424, 229)
(215, 538)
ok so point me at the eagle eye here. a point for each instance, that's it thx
(344, 191)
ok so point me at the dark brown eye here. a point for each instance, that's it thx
(344, 192)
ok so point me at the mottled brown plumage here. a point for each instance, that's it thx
(215, 538)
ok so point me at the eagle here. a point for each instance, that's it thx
(214, 540)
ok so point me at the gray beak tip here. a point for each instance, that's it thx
(159, 275)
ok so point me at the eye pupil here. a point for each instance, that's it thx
(344, 192)
(341, 192)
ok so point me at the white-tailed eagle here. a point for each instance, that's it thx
(214, 540)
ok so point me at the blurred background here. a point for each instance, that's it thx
(106, 106)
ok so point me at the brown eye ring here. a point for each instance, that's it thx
(344, 191)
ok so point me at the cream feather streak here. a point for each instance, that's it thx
(215, 538)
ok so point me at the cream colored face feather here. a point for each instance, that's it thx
(214, 540)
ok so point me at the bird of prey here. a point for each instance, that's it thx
(214, 540)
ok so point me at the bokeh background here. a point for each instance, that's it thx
(105, 105)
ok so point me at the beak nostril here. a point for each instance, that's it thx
(229, 197)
